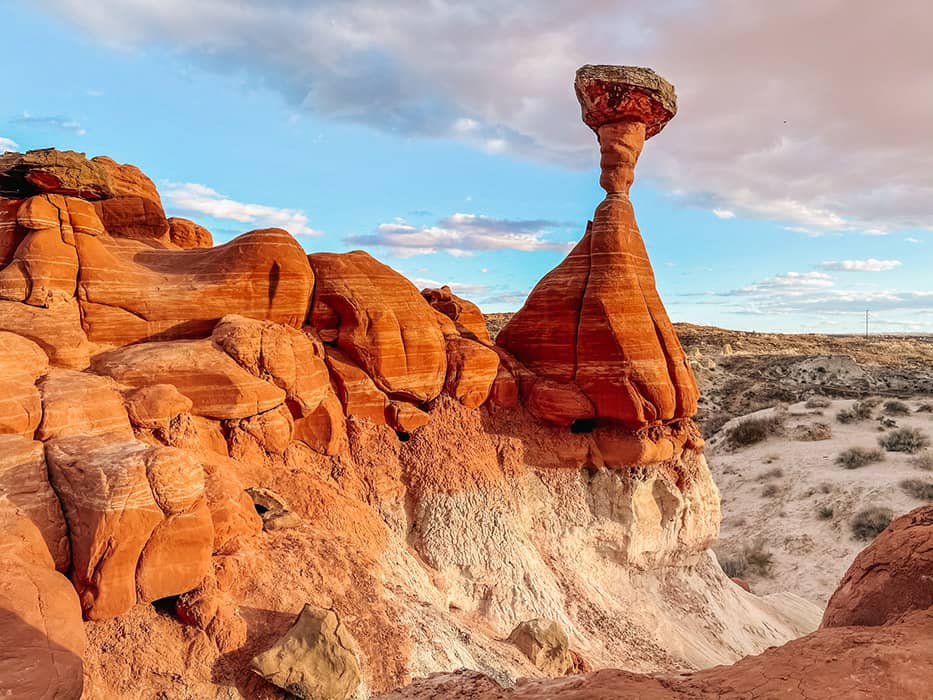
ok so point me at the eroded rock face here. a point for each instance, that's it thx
(890, 577)
(546, 645)
(381, 322)
(594, 332)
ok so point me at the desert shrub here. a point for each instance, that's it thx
(825, 513)
(858, 411)
(856, 457)
(870, 402)
(770, 491)
(909, 440)
(754, 430)
(753, 559)
(713, 423)
(896, 408)
(925, 408)
(813, 432)
(817, 402)
(918, 488)
(775, 473)
(871, 522)
(922, 460)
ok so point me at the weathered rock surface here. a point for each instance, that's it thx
(21, 363)
(81, 404)
(214, 383)
(467, 317)
(262, 274)
(546, 645)
(594, 328)
(43, 639)
(471, 370)
(186, 234)
(315, 658)
(56, 329)
(890, 577)
(381, 322)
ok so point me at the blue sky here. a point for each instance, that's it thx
(447, 141)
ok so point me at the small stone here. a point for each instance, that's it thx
(545, 644)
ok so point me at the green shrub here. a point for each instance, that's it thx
(871, 522)
(754, 430)
(922, 460)
(856, 457)
(896, 408)
(825, 513)
(909, 440)
(918, 488)
(817, 402)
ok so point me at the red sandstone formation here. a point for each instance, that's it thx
(891, 576)
(149, 379)
(594, 332)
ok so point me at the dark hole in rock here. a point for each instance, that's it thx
(403, 436)
(166, 606)
(583, 425)
(260, 509)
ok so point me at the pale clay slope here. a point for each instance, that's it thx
(810, 554)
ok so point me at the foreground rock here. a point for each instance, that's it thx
(546, 645)
(891, 576)
(314, 660)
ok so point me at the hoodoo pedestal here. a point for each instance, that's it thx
(594, 333)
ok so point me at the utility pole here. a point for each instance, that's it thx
(866, 323)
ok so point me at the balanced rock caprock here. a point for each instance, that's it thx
(594, 332)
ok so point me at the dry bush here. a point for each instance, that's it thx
(775, 473)
(871, 522)
(825, 513)
(770, 491)
(813, 432)
(859, 411)
(909, 440)
(817, 402)
(925, 408)
(856, 457)
(918, 488)
(896, 408)
(922, 460)
(754, 430)
(753, 559)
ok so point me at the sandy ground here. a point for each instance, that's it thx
(810, 553)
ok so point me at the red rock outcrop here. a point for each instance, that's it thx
(594, 331)
(890, 577)
(381, 322)
(187, 234)
(262, 274)
(21, 363)
(465, 314)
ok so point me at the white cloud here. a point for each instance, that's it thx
(461, 235)
(7, 145)
(53, 122)
(791, 283)
(193, 198)
(724, 213)
(869, 265)
(911, 239)
(802, 136)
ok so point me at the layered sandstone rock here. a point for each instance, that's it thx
(381, 322)
(186, 234)
(890, 577)
(594, 331)
(21, 363)
(262, 274)
(465, 314)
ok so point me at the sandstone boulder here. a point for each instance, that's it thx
(471, 370)
(381, 322)
(262, 274)
(81, 403)
(55, 328)
(43, 638)
(214, 383)
(156, 405)
(24, 483)
(891, 576)
(21, 363)
(187, 234)
(357, 391)
(546, 645)
(465, 314)
(315, 659)
(49, 170)
(232, 510)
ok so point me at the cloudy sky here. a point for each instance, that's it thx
(793, 191)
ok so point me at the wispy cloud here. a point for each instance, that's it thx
(7, 145)
(724, 213)
(911, 239)
(193, 198)
(464, 234)
(50, 122)
(869, 265)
